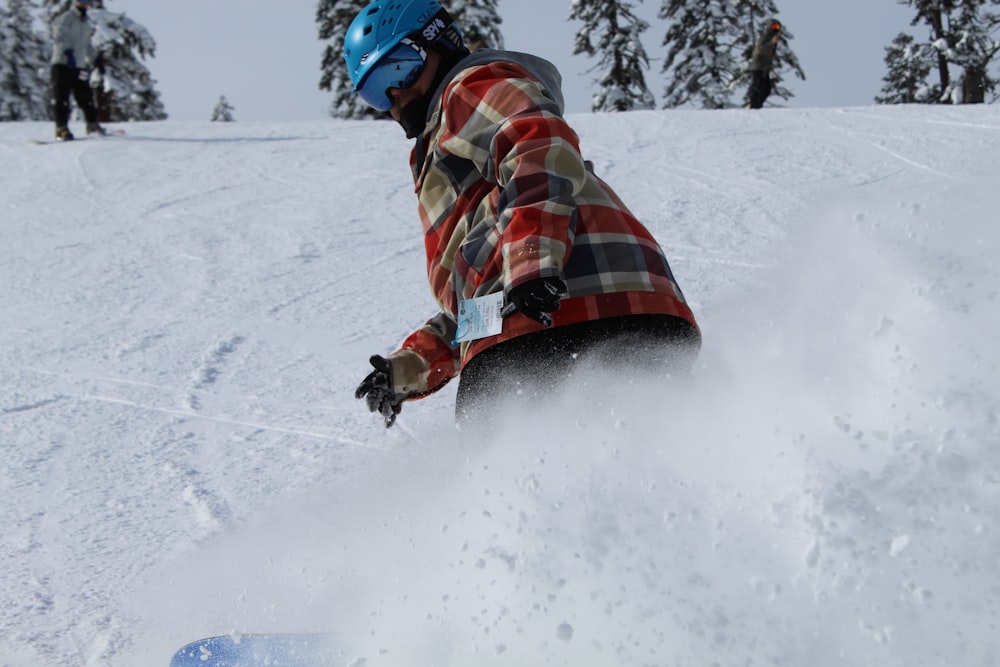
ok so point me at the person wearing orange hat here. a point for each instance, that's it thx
(761, 63)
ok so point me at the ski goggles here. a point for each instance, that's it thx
(775, 26)
(400, 68)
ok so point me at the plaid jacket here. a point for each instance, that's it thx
(505, 197)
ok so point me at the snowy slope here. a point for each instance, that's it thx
(188, 309)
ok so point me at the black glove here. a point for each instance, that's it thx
(99, 63)
(377, 390)
(536, 299)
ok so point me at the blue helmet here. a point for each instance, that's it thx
(384, 24)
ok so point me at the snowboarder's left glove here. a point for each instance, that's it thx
(536, 299)
(377, 390)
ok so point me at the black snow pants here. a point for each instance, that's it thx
(760, 88)
(526, 371)
(73, 81)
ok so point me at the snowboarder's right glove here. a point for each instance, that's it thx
(377, 390)
(536, 299)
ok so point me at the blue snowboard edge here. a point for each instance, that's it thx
(257, 650)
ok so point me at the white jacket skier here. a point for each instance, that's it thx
(73, 56)
(71, 40)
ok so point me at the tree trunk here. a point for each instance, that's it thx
(937, 23)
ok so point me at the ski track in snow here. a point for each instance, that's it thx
(189, 308)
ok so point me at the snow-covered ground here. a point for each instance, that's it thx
(187, 310)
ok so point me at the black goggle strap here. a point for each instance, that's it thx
(440, 28)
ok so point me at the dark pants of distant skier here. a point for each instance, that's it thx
(760, 87)
(73, 81)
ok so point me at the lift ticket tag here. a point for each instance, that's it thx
(479, 318)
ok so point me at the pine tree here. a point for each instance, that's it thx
(125, 90)
(481, 14)
(703, 40)
(906, 80)
(977, 47)
(24, 89)
(960, 35)
(709, 44)
(333, 18)
(933, 13)
(976, 44)
(127, 87)
(223, 112)
(622, 84)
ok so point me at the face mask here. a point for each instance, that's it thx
(413, 117)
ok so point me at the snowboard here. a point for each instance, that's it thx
(46, 142)
(257, 650)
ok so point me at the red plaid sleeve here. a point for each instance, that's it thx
(426, 360)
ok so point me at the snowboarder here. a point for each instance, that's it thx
(73, 56)
(761, 62)
(510, 212)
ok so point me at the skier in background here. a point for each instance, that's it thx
(761, 62)
(73, 56)
(512, 215)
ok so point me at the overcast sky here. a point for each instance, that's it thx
(264, 57)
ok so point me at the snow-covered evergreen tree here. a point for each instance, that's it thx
(481, 14)
(709, 43)
(24, 56)
(125, 90)
(906, 80)
(975, 39)
(935, 14)
(621, 82)
(333, 17)
(223, 112)
(704, 43)
(977, 44)
(128, 87)
(959, 34)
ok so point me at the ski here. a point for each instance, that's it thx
(45, 142)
